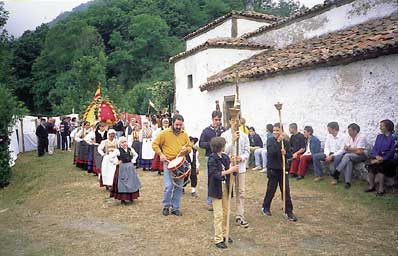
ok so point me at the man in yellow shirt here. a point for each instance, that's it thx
(169, 144)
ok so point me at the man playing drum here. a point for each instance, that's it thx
(170, 144)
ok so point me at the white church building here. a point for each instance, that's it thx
(334, 62)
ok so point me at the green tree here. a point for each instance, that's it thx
(74, 48)
(162, 94)
(10, 110)
(138, 98)
(25, 50)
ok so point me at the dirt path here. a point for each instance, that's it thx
(62, 211)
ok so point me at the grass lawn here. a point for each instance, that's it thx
(53, 208)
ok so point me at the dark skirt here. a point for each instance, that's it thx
(76, 153)
(137, 147)
(97, 160)
(156, 163)
(387, 168)
(146, 163)
(121, 196)
(90, 159)
(82, 154)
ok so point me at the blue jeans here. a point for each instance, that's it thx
(316, 160)
(260, 154)
(171, 194)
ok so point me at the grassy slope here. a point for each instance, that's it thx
(52, 208)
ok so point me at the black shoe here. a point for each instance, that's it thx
(291, 217)
(300, 177)
(176, 212)
(242, 222)
(347, 186)
(369, 190)
(230, 241)
(166, 211)
(123, 202)
(221, 245)
(266, 212)
(293, 175)
(380, 193)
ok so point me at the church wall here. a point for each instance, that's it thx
(194, 105)
(338, 18)
(245, 26)
(222, 30)
(364, 92)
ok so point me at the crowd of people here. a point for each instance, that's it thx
(115, 151)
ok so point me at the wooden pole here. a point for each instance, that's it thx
(234, 112)
(235, 143)
(278, 106)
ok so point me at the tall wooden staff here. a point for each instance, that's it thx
(278, 106)
(234, 112)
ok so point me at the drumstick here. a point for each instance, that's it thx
(182, 149)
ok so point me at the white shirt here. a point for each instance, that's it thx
(244, 148)
(333, 144)
(358, 142)
(90, 138)
(307, 149)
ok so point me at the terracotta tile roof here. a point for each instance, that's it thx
(368, 40)
(237, 43)
(315, 10)
(247, 14)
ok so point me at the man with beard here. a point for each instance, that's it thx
(169, 144)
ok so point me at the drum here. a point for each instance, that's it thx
(176, 163)
(179, 169)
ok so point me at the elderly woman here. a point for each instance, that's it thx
(107, 150)
(381, 163)
(147, 152)
(126, 184)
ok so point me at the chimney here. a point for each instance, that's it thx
(249, 5)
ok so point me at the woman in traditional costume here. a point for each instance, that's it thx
(90, 140)
(107, 150)
(82, 147)
(126, 184)
(129, 132)
(157, 165)
(147, 152)
(100, 135)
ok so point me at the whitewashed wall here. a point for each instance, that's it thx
(202, 65)
(245, 25)
(363, 92)
(335, 19)
(222, 30)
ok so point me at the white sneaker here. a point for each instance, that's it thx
(263, 170)
(256, 168)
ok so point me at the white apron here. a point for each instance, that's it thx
(147, 151)
(108, 168)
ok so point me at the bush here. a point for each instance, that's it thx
(10, 110)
